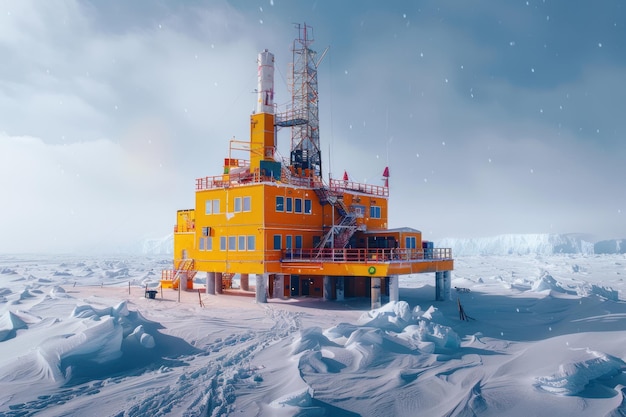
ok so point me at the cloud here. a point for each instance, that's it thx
(115, 107)
(94, 196)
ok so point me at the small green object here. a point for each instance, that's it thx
(371, 270)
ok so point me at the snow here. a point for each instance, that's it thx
(545, 337)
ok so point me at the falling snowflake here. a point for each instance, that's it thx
(512, 43)
(599, 44)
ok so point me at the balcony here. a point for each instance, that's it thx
(334, 255)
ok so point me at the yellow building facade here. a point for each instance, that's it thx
(292, 232)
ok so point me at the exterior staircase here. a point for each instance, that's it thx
(170, 278)
(338, 234)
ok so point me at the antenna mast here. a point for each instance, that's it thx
(305, 135)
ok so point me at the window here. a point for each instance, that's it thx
(206, 231)
(307, 206)
(358, 210)
(409, 242)
(222, 242)
(278, 241)
(212, 207)
(299, 242)
(289, 208)
(375, 212)
(298, 205)
(206, 243)
(280, 203)
(288, 242)
(242, 243)
(247, 204)
(251, 242)
(237, 204)
(232, 242)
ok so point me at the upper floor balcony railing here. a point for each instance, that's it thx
(234, 179)
(342, 185)
(365, 255)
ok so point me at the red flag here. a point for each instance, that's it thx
(345, 175)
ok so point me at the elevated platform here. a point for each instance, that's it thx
(366, 262)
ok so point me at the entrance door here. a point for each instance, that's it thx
(295, 285)
(306, 285)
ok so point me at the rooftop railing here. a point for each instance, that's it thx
(247, 177)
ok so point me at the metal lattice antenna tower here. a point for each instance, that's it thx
(305, 137)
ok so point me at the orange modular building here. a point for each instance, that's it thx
(279, 221)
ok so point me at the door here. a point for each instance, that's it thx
(306, 286)
(295, 285)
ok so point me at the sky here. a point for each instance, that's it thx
(493, 117)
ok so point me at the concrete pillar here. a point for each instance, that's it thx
(210, 283)
(279, 286)
(376, 303)
(244, 282)
(328, 288)
(447, 282)
(218, 283)
(260, 290)
(439, 296)
(339, 288)
(394, 288)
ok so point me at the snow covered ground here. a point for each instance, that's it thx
(546, 337)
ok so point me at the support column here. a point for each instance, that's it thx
(260, 290)
(244, 282)
(328, 288)
(375, 292)
(447, 282)
(339, 288)
(394, 288)
(210, 283)
(439, 286)
(218, 283)
(279, 289)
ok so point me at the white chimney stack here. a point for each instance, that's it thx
(265, 91)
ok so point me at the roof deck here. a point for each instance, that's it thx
(244, 177)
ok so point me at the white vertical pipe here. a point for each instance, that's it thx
(265, 89)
